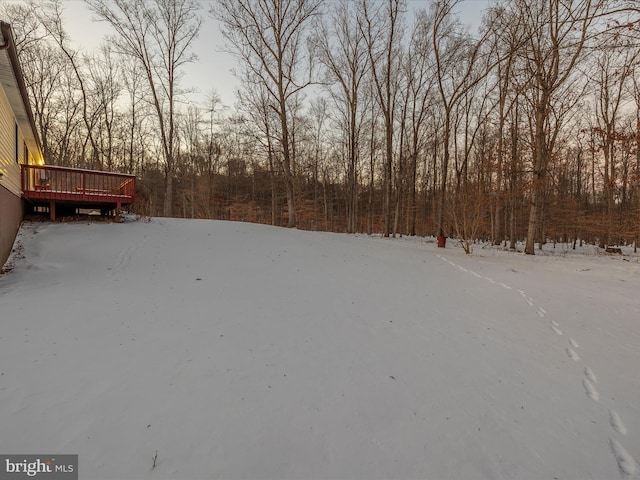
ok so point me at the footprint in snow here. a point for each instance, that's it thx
(572, 354)
(616, 422)
(590, 389)
(573, 343)
(626, 463)
(590, 375)
(556, 330)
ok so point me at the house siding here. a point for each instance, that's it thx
(19, 143)
(11, 206)
(11, 212)
(8, 166)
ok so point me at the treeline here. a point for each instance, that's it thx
(358, 115)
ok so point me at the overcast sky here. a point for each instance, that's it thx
(212, 71)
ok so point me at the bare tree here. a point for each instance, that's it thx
(51, 14)
(26, 25)
(45, 73)
(505, 40)
(159, 35)
(459, 68)
(212, 156)
(341, 49)
(418, 71)
(555, 33)
(382, 27)
(614, 65)
(319, 113)
(268, 37)
(135, 116)
(635, 91)
(264, 126)
(104, 72)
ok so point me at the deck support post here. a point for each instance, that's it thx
(52, 210)
(118, 206)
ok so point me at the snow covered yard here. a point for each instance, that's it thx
(244, 351)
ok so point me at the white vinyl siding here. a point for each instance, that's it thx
(11, 171)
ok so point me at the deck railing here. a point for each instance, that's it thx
(77, 185)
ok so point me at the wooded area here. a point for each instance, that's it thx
(358, 115)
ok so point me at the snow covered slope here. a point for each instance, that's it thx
(244, 351)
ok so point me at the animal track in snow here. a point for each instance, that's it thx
(626, 463)
(572, 354)
(527, 298)
(124, 258)
(616, 422)
(540, 311)
(590, 389)
(590, 375)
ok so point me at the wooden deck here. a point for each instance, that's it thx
(73, 188)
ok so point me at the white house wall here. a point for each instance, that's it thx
(8, 166)
(16, 120)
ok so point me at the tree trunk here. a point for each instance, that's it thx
(443, 181)
(168, 195)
